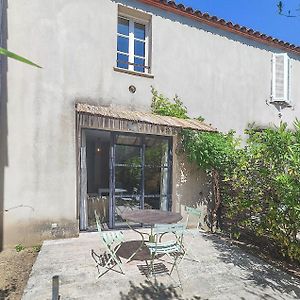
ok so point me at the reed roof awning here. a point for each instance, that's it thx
(101, 117)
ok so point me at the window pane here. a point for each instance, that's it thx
(128, 155)
(123, 26)
(128, 180)
(140, 64)
(122, 61)
(123, 44)
(139, 48)
(156, 152)
(154, 181)
(153, 203)
(128, 139)
(139, 31)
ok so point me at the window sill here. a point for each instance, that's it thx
(133, 72)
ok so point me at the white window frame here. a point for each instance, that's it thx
(287, 79)
(130, 53)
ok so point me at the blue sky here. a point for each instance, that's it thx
(261, 15)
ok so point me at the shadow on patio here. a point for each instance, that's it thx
(258, 272)
(153, 290)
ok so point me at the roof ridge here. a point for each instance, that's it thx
(220, 23)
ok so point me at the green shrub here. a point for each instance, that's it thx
(19, 247)
(259, 183)
(264, 186)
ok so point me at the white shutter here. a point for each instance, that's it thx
(281, 78)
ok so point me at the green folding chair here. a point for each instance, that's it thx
(194, 212)
(112, 240)
(174, 248)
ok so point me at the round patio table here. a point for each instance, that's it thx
(149, 217)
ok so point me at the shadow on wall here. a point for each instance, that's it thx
(3, 113)
(153, 290)
(256, 272)
(193, 187)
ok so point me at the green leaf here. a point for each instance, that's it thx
(17, 57)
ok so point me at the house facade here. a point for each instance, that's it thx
(77, 135)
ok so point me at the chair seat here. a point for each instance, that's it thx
(164, 247)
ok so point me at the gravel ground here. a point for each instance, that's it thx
(15, 268)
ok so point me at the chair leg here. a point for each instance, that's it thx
(115, 258)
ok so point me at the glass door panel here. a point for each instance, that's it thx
(141, 174)
(128, 176)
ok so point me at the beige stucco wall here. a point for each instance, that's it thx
(222, 77)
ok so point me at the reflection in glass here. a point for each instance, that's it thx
(156, 152)
(128, 139)
(123, 44)
(139, 31)
(139, 64)
(122, 61)
(128, 179)
(152, 181)
(128, 155)
(123, 26)
(139, 48)
(153, 203)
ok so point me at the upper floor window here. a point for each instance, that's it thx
(281, 78)
(133, 44)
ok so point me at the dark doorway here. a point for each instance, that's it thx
(125, 171)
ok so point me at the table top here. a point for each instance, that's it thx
(151, 216)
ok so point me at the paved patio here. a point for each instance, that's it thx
(224, 272)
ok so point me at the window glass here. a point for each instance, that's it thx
(128, 139)
(123, 26)
(139, 48)
(156, 152)
(128, 180)
(122, 61)
(139, 64)
(139, 31)
(128, 155)
(133, 41)
(123, 44)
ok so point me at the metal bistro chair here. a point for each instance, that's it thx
(112, 241)
(194, 212)
(172, 248)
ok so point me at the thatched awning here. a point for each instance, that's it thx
(100, 117)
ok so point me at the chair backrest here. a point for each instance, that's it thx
(193, 212)
(176, 230)
(98, 222)
(169, 228)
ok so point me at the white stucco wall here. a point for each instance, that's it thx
(220, 76)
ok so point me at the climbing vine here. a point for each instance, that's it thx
(213, 152)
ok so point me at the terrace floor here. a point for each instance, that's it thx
(224, 272)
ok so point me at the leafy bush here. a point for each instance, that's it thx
(259, 184)
(264, 193)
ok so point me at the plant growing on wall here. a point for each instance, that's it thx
(212, 152)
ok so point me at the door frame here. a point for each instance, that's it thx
(82, 188)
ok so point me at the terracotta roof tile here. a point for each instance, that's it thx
(222, 24)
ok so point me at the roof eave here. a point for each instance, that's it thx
(236, 29)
